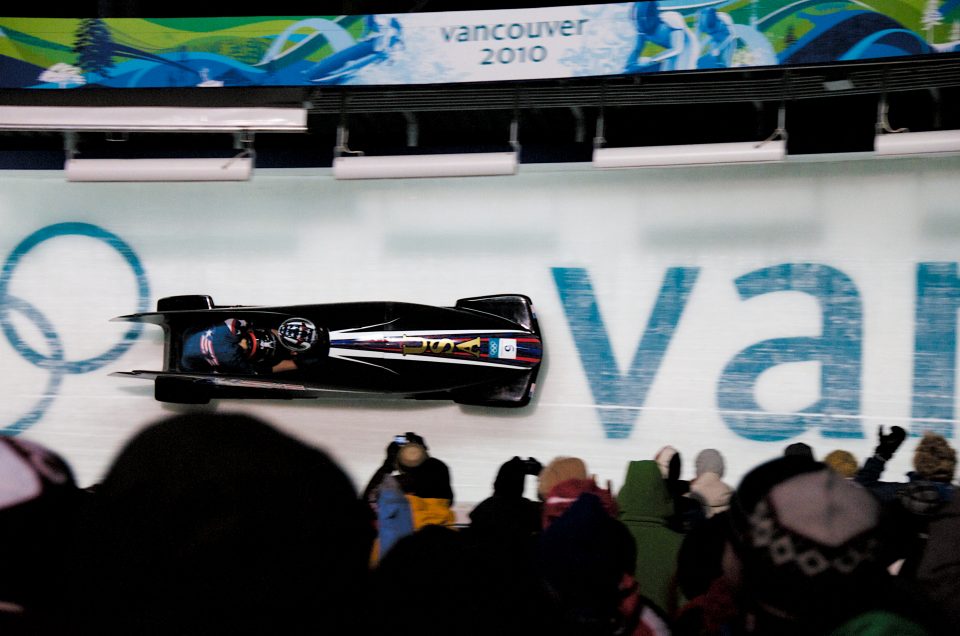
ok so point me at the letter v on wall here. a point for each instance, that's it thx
(619, 396)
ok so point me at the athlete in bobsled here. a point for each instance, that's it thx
(236, 346)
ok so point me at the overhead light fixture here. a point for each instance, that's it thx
(690, 154)
(890, 141)
(917, 143)
(151, 119)
(243, 123)
(351, 164)
(236, 168)
(177, 169)
(468, 164)
(774, 148)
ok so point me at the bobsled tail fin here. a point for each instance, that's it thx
(514, 307)
(511, 393)
(191, 302)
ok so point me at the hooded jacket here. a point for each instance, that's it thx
(645, 506)
(712, 491)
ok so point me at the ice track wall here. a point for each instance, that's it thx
(741, 308)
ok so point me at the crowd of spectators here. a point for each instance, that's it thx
(220, 524)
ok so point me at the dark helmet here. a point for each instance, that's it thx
(297, 334)
(261, 344)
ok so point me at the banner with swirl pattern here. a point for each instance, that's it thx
(468, 46)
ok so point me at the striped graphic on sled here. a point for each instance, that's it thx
(494, 348)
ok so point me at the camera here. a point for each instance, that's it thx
(531, 466)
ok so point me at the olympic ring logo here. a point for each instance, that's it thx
(56, 361)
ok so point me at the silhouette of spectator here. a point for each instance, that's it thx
(912, 504)
(507, 518)
(220, 524)
(39, 503)
(645, 506)
(708, 485)
(587, 559)
(938, 572)
(437, 582)
(700, 559)
(798, 449)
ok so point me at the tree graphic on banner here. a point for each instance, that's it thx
(931, 18)
(94, 47)
(791, 36)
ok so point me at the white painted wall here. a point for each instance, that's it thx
(301, 237)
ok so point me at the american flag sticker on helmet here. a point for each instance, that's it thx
(503, 348)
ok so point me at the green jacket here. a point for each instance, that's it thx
(645, 505)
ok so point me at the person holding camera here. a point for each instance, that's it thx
(507, 518)
(410, 490)
(390, 465)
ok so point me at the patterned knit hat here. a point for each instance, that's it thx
(804, 535)
(934, 458)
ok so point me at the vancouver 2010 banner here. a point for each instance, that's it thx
(468, 46)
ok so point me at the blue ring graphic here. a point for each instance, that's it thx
(56, 375)
(56, 362)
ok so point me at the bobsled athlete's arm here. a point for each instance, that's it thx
(284, 365)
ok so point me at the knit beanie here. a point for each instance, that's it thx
(934, 458)
(805, 537)
(843, 462)
(560, 469)
(709, 461)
